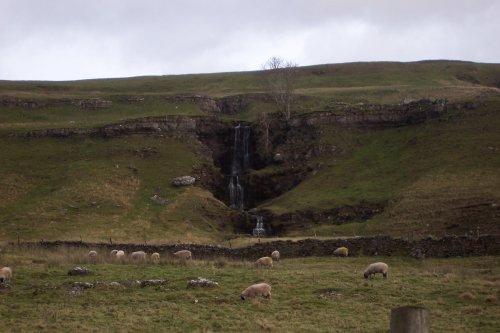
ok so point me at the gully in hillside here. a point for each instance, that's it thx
(239, 165)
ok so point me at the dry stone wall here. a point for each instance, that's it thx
(369, 246)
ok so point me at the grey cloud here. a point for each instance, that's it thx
(60, 39)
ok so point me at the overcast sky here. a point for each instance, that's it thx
(66, 39)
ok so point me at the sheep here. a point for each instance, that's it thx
(113, 253)
(5, 274)
(138, 256)
(120, 255)
(341, 252)
(155, 257)
(264, 261)
(183, 254)
(92, 256)
(275, 255)
(378, 267)
(259, 289)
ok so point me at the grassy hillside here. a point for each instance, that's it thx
(99, 188)
(308, 295)
(313, 79)
(433, 178)
(379, 82)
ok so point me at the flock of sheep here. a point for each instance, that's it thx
(139, 256)
(255, 290)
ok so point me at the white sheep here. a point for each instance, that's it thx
(138, 256)
(275, 255)
(341, 252)
(5, 274)
(120, 255)
(255, 290)
(378, 267)
(155, 257)
(113, 253)
(264, 261)
(92, 256)
(183, 254)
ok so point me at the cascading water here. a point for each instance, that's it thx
(259, 231)
(240, 163)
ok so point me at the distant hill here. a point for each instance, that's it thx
(362, 155)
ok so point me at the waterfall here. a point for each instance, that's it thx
(240, 163)
(259, 231)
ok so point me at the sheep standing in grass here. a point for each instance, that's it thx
(275, 255)
(183, 254)
(264, 261)
(138, 256)
(113, 253)
(378, 267)
(93, 256)
(155, 257)
(255, 290)
(120, 255)
(5, 274)
(341, 252)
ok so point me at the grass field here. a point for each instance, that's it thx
(321, 294)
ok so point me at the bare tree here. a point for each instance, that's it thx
(281, 79)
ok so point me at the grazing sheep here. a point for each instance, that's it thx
(264, 261)
(113, 253)
(120, 255)
(93, 256)
(5, 274)
(378, 267)
(255, 290)
(341, 252)
(275, 255)
(138, 256)
(183, 254)
(155, 257)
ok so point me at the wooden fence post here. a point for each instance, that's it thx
(409, 319)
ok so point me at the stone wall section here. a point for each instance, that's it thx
(484, 245)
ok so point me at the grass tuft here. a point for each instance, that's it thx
(467, 295)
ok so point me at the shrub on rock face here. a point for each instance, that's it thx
(183, 181)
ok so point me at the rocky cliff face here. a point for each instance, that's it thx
(374, 115)
(220, 105)
(170, 125)
(92, 103)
